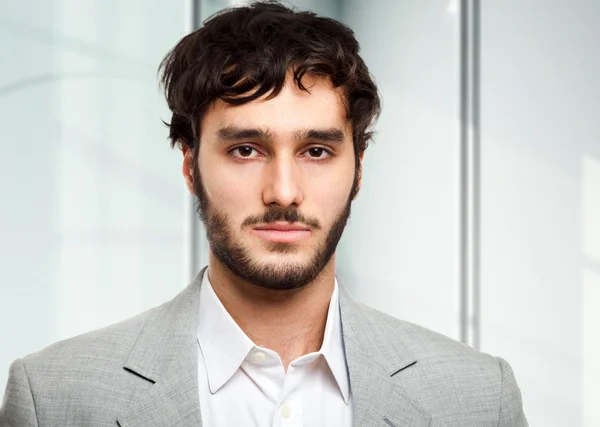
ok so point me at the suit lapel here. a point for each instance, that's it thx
(171, 401)
(373, 356)
(166, 355)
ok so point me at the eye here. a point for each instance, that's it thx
(243, 151)
(318, 153)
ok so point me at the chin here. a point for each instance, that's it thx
(283, 259)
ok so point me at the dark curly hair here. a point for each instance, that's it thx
(242, 53)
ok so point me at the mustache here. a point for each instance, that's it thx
(275, 214)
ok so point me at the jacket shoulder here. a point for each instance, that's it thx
(448, 374)
(423, 343)
(111, 344)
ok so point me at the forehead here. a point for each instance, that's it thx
(292, 109)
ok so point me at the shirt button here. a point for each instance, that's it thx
(286, 411)
(259, 356)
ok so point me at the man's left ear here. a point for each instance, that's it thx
(359, 180)
(187, 167)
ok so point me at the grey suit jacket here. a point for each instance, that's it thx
(142, 372)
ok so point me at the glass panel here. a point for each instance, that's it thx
(400, 253)
(92, 211)
(210, 7)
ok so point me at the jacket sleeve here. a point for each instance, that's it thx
(511, 403)
(18, 408)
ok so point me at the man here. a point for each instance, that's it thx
(271, 109)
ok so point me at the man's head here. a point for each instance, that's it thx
(271, 108)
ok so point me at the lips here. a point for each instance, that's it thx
(278, 226)
(281, 232)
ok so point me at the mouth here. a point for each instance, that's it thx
(281, 232)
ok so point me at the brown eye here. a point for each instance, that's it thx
(317, 153)
(245, 151)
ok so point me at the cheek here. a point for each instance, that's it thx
(330, 192)
(229, 193)
(333, 202)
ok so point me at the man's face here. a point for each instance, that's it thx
(274, 180)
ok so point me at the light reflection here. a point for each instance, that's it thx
(591, 291)
(452, 7)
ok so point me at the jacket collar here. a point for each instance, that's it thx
(166, 354)
(378, 399)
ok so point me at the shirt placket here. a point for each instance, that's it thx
(289, 411)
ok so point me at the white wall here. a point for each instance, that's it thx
(541, 202)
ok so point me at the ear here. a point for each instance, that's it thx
(187, 167)
(361, 155)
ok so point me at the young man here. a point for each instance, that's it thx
(271, 108)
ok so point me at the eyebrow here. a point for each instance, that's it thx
(325, 135)
(234, 133)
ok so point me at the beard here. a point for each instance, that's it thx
(239, 260)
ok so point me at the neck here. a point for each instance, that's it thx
(290, 322)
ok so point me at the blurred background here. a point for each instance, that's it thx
(479, 215)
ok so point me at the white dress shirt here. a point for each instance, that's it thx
(242, 384)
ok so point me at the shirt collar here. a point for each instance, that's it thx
(225, 346)
(333, 345)
(223, 343)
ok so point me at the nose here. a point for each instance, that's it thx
(282, 183)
